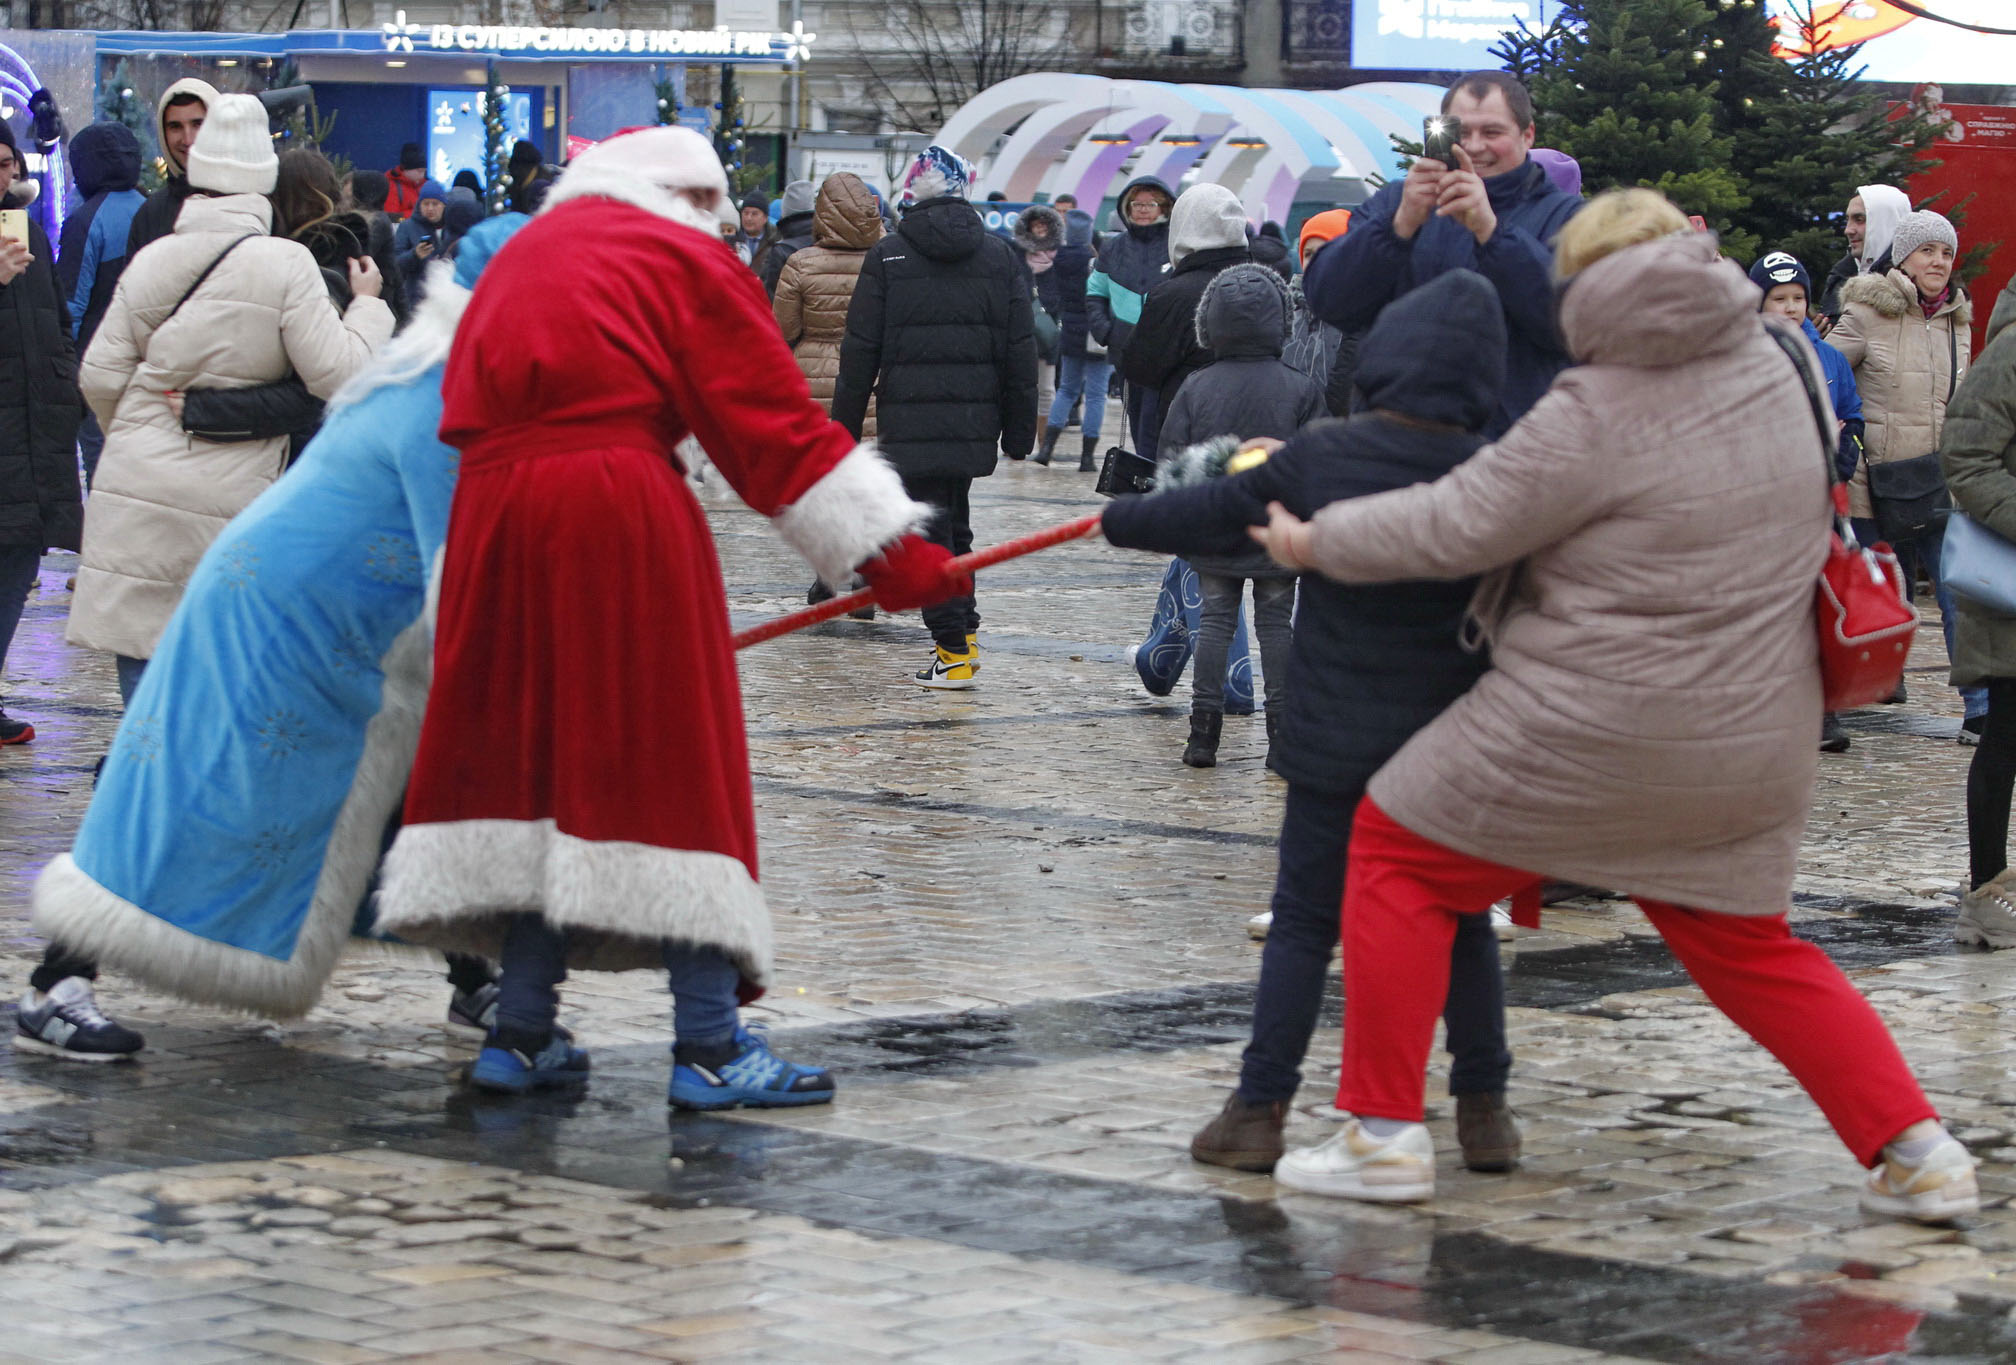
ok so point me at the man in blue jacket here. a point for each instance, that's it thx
(89, 260)
(1494, 212)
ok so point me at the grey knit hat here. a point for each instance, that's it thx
(1916, 229)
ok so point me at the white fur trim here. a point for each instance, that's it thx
(847, 516)
(421, 346)
(22, 193)
(72, 908)
(586, 182)
(451, 885)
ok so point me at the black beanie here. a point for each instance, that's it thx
(524, 153)
(755, 200)
(411, 158)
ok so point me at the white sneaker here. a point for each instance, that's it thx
(1501, 922)
(1936, 1189)
(1355, 1165)
(1257, 927)
(1988, 915)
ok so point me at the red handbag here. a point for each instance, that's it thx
(1866, 619)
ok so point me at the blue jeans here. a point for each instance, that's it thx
(535, 963)
(90, 445)
(18, 565)
(1911, 555)
(1081, 376)
(130, 670)
(1308, 913)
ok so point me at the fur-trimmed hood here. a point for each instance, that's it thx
(1193, 464)
(1894, 294)
(1039, 228)
(1245, 311)
(21, 194)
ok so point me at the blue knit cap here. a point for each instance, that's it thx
(482, 242)
(431, 189)
(1780, 267)
(935, 174)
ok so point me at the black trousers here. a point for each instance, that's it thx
(1308, 916)
(1990, 779)
(952, 620)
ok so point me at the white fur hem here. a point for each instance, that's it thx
(847, 516)
(72, 908)
(451, 885)
(421, 346)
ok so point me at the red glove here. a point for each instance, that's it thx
(911, 573)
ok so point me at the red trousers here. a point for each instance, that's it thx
(1402, 894)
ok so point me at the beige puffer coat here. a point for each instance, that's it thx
(161, 496)
(1647, 724)
(1903, 368)
(818, 284)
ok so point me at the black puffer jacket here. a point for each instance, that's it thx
(1371, 664)
(941, 332)
(1061, 288)
(1164, 350)
(794, 234)
(41, 503)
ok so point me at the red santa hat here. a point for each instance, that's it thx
(650, 167)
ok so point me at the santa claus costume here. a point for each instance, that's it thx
(581, 796)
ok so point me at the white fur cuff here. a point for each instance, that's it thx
(843, 519)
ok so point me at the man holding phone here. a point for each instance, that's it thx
(1488, 207)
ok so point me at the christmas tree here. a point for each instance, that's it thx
(496, 153)
(1804, 133)
(1620, 86)
(118, 104)
(668, 100)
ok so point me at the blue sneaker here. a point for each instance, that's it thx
(743, 1071)
(507, 1071)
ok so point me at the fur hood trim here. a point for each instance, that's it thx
(1194, 464)
(1893, 295)
(22, 193)
(1027, 221)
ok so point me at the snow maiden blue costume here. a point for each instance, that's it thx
(241, 814)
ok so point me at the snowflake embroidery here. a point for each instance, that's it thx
(239, 566)
(272, 847)
(392, 559)
(282, 732)
(354, 655)
(143, 739)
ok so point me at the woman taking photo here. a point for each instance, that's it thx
(1906, 334)
(1647, 721)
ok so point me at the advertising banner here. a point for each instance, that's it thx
(455, 130)
(1438, 35)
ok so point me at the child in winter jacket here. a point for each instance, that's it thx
(1788, 291)
(1247, 391)
(1368, 666)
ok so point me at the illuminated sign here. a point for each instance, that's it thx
(506, 39)
(1438, 35)
(1898, 46)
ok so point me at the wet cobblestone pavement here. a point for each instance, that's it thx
(1014, 923)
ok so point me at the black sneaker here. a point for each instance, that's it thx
(475, 1009)
(1833, 735)
(819, 592)
(1970, 731)
(66, 1023)
(15, 731)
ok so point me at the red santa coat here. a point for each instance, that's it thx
(583, 754)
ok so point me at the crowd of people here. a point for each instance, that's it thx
(354, 513)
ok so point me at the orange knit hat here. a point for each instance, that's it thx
(1328, 225)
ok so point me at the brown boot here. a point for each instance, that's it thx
(1246, 1137)
(1487, 1131)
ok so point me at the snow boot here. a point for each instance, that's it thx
(1048, 447)
(1085, 464)
(1202, 751)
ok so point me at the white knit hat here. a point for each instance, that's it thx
(233, 152)
(1916, 229)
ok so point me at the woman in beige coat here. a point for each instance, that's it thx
(1656, 523)
(262, 312)
(1908, 335)
(818, 284)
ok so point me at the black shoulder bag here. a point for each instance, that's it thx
(1910, 496)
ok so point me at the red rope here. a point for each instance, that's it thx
(966, 563)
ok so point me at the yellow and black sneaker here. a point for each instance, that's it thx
(950, 670)
(973, 648)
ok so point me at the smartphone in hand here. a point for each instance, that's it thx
(14, 224)
(1439, 133)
